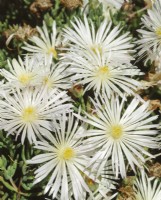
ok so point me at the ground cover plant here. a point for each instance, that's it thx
(80, 99)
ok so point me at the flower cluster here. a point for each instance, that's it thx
(85, 148)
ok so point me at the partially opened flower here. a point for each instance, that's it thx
(65, 159)
(147, 188)
(151, 31)
(83, 38)
(98, 73)
(46, 43)
(21, 74)
(117, 3)
(103, 185)
(28, 113)
(120, 133)
(111, 6)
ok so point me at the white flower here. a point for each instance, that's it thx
(147, 188)
(54, 76)
(98, 73)
(65, 158)
(151, 31)
(120, 133)
(21, 74)
(83, 39)
(46, 44)
(28, 113)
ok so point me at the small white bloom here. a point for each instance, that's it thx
(120, 133)
(65, 158)
(21, 74)
(147, 188)
(151, 31)
(28, 113)
(98, 73)
(46, 44)
(83, 39)
(54, 76)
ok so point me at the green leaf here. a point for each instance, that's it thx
(10, 171)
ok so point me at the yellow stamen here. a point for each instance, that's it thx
(47, 81)
(53, 52)
(29, 114)
(103, 72)
(96, 48)
(25, 78)
(116, 131)
(66, 153)
(158, 32)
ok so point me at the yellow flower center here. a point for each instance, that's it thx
(66, 153)
(91, 183)
(158, 32)
(25, 78)
(96, 48)
(47, 81)
(53, 52)
(116, 131)
(103, 72)
(29, 114)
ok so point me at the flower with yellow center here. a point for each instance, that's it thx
(54, 76)
(116, 132)
(53, 52)
(96, 72)
(46, 43)
(21, 73)
(150, 42)
(25, 78)
(103, 73)
(65, 159)
(85, 39)
(47, 81)
(66, 153)
(28, 113)
(158, 32)
(120, 133)
(96, 49)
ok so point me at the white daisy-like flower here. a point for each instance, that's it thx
(120, 133)
(21, 74)
(54, 76)
(65, 158)
(45, 44)
(83, 38)
(147, 188)
(98, 73)
(151, 31)
(28, 113)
